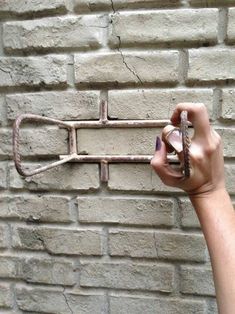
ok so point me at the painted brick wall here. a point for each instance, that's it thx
(69, 243)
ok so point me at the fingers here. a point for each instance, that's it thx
(197, 114)
(160, 164)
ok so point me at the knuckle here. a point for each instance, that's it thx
(156, 163)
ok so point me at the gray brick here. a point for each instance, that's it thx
(154, 103)
(66, 177)
(228, 139)
(8, 267)
(132, 141)
(211, 3)
(47, 271)
(33, 71)
(229, 176)
(133, 68)
(211, 64)
(6, 296)
(189, 217)
(44, 141)
(140, 305)
(3, 236)
(197, 281)
(58, 241)
(27, 6)
(181, 26)
(128, 276)
(65, 105)
(2, 110)
(60, 32)
(90, 6)
(172, 246)
(3, 175)
(58, 302)
(126, 211)
(36, 208)
(140, 177)
(228, 105)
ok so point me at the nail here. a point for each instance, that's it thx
(158, 144)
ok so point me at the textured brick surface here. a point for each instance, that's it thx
(139, 305)
(185, 26)
(18, 71)
(211, 64)
(70, 243)
(128, 276)
(126, 211)
(126, 67)
(66, 32)
(58, 241)
(69, 105)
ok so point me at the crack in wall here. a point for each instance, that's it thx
(112, 6)
(66, 301)
(125, 63)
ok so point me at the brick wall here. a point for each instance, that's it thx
(69, 243)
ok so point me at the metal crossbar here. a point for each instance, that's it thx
(73, 155)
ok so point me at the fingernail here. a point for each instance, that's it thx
(158, 144)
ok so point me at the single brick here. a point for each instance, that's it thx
(58, 241)
(3, 236)
(128, 276)
(211, 3)
(215, 64)
(60, 32)
(127, 67)
(228, 104)
(132, 141)
(57, 302)
(47, 271)
(231, 25)
(188, 215)
(134, 211)
(36, 208)
(229, 176)
(2, 110)
(228, 139)
(182, 26)
(141, 177)
(6, 296)
(8, 267)
(157, 245)
(44, 141)
(66, 177)
(140, 305)
(3, 175)
(196, 281)
(33, 71)
(90, 5)
(20, 7)
(154, 103)
(65, 105)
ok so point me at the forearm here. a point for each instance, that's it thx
(217, 218)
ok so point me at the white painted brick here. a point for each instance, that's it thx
(228, 104)
(165, 26)
(154, 103)
(28, 6)
(33, 71)
(131, 276)
(214, 64)
(66, 177)
(36, 208)
(197, 281)
(58, 241)
(129, 67)
(60, 32)
(169, 246)
(65, 105)
(126, 211)
(120, 304)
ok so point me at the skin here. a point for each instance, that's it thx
(207, 192)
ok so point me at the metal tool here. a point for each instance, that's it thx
(104, 160)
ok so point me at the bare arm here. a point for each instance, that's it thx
(207, 192)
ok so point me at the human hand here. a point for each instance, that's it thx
(206, 154)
